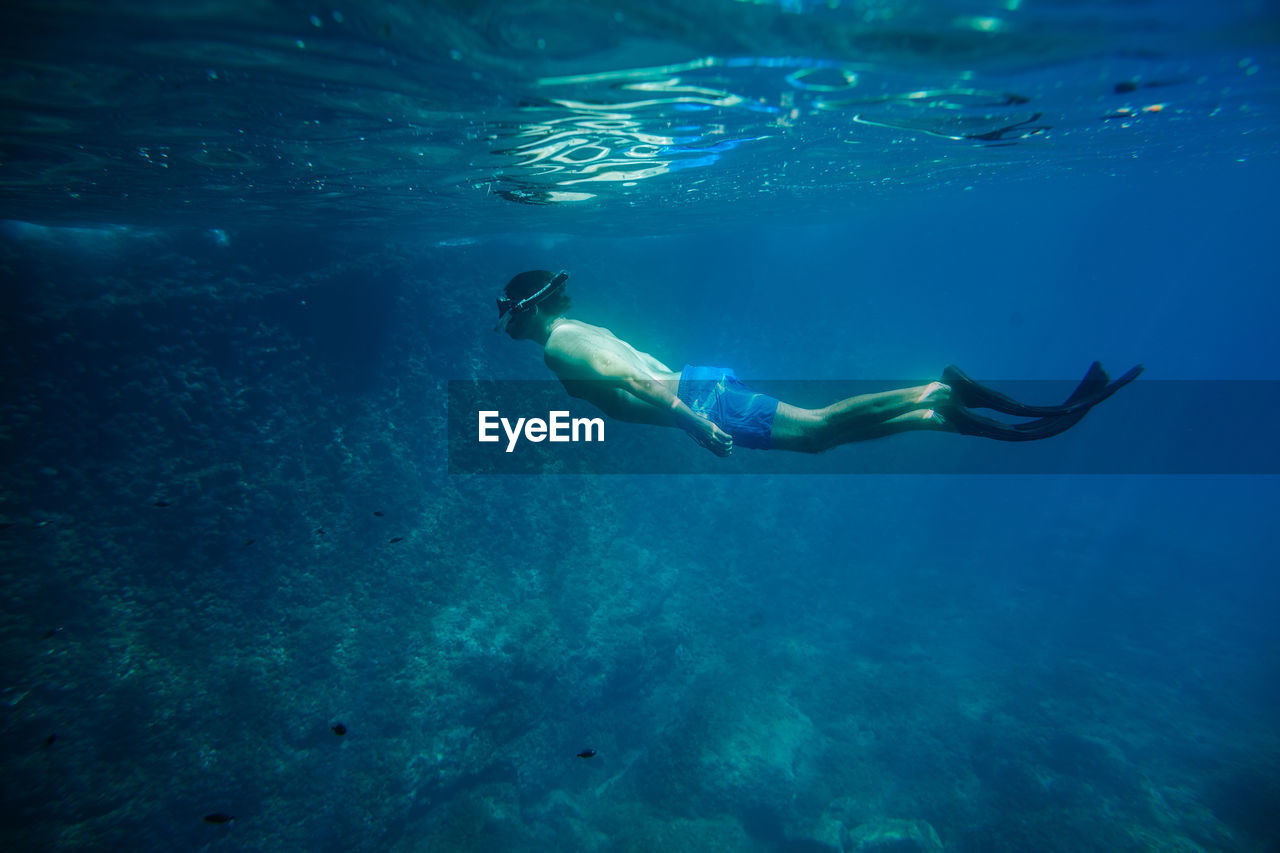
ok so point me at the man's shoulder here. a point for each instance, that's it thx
(569, 326)
(566, 343)
(574, 349)
(573, 337)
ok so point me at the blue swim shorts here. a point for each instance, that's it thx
(717, 394)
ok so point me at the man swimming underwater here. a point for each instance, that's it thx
(719, 411)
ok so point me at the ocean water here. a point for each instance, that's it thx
(247, 246)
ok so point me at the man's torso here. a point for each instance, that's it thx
(568, 350)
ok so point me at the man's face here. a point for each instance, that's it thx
(521, 325)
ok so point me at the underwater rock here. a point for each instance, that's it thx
(826, 833)
(893, 836)
(744, 758)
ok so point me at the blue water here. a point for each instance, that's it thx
(246, 247)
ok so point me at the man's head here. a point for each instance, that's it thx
(532, 299)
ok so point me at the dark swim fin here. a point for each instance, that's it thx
(1095, 388)
(975, 395)
(969, 423)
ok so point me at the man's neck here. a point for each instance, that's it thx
(544, 333)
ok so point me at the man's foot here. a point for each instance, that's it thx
(921, 419)
(936, 420)
(935, 393)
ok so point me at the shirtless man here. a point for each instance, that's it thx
(719, 411)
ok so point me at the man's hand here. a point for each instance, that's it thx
(712, 437)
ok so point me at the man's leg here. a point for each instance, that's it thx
(859, 418)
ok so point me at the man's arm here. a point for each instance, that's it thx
(606, 368)
(596, 365)
(578, 361)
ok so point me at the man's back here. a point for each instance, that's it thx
(585, 357)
